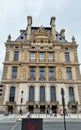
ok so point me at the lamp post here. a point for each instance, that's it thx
(63, 104)
(21, 102)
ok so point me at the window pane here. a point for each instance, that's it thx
(53, 93)
(51, 73)
(71, 94)
(67, 58)
(41, 56)
(32, 72)
(31, 94)
(14, 72)
(33, 56)
(12, 94)
(50, 56)
(69, 74)
(41, 72)
(16, 55)
(42, 94)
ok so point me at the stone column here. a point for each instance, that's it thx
(47, 74)
(37, 73)
(37, 94)
(29, 20)
(47, 94)
(53, 31)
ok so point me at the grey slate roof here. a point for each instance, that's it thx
(23, 36)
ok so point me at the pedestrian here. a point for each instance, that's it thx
(28, 114)
(55, 113)
(50, 113)
(47, 111)
(61, 112)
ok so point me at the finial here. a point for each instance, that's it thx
(9, 37)
(73, 39)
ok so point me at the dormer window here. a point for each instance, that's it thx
(21, 37)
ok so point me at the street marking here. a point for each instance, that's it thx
(14, 126)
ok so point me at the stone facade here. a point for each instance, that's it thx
(37, 65)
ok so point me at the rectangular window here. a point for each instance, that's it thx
(67, 58)
(41, 72)
(51, 72)
(50, 56)
(32, 72)
(32, 56)
(71, 94)
(14, 72)
(69, 74)
(16, 55)
(41, 56)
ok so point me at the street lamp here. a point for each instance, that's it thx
(63, 104)
(21, 102)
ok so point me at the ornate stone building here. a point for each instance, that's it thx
(37, 65)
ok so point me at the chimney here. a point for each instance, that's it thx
(29, 23)
(53, 31)
(62, 33)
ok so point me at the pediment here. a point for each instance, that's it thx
(41, 33)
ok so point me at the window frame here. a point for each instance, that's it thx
(42, 94)
(69, 73)
(14, 72)
(32, 72)
(50, 56)
(12, 94)
(16, 55)
(32, 56)
(71, 94)
(67, 57)
(41, 56)
(53, 93)
(31, 93)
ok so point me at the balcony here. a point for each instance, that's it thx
(42, 78)
(9, 103)
(41, 60)
(72, 103)
(55, 103)
(51, 60)
(32, 60)
(42, 103)
(51, 78)
(37, 103)
(32, 78)
(30, 103)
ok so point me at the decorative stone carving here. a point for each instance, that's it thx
(73, 39)
(25, 56)
(9, 38)
(7, 56)
(5, 71)
(59, 73)
(24, 72)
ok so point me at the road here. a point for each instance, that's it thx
(48, 124)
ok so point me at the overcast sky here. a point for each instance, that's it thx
(13, 17)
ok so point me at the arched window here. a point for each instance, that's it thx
(42, 94)
(71, 94)
(12, 94)
(31, 93)
(53, 93)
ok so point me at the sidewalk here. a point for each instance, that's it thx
(70, 116)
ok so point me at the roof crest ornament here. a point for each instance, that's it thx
(9, 38)
(73, 39)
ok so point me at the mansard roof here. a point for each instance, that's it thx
(23, 35)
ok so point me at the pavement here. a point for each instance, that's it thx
(14, 121)
(44, 116)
